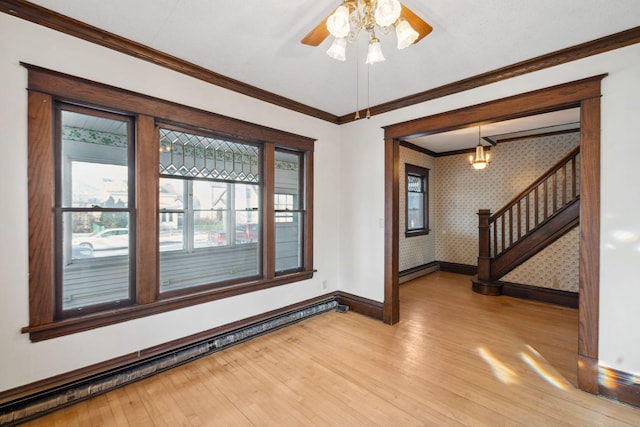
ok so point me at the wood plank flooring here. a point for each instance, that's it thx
(455, 358)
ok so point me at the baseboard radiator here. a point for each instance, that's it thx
(21, 410)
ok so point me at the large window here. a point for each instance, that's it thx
(94, 206)
(210, 187)
(417, 200)
(138, 206)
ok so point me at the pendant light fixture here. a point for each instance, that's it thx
(480, 160)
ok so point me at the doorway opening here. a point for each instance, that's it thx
(584, 94)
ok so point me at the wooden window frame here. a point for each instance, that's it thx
(301, 209)
(424, 174)
(45, 88)
(61, 208)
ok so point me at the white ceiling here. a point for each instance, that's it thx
(467, 138)
(258, 41)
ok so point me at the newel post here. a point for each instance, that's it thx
(484, 245)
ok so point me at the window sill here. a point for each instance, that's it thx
(416, 233)
(92, 321)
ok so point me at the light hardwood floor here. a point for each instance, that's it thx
(455, 358)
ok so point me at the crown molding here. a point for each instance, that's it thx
(594, 47)
(56, 21)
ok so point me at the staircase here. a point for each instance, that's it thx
(535, 218)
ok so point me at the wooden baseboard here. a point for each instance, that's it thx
(588, 374)
(619, 386)
(361, 305)
(452, 267)
(415, 272)
(33, 400)
(493, 289)
(535, 293)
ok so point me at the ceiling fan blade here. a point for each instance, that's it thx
(320, 32)
(317, 35)
(416, 22)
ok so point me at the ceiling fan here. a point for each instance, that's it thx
(353, 16)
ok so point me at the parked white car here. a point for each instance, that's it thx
(110, 238)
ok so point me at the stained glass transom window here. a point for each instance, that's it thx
(184, 154)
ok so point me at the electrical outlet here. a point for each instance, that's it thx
(324, 284)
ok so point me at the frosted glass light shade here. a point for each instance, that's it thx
(338, 22)
(338, 49)
(387, 12)
(375, 52)
(480, 161)
(405, 33)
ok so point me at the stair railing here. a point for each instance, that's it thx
(556, 188)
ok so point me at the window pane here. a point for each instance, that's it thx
(288, 241)
(415, 212)
(247, 227)
(94, 244)
(247, 218)
(414, 183)
(171, 234)
(210, 229)
(95, 265)
(171, 194)
(94, 161)
(287, 178)
(210, 195)
(284, 202)
(247, 196)
(186, 154)
(210, 219)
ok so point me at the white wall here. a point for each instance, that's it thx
(361, 200)
(362, 261)
(21, 361)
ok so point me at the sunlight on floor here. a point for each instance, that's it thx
(540, 370)
(502, 372)
(531, 357)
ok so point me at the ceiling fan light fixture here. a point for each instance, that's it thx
(338, 22)
(405, 33)
(338, 49)
(375, 52)
(387, 12)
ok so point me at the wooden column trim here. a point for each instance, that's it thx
(40, 157)
(484, 248)
(391, 307)
(587, 372)
(147, 205)
(308, 224)
(269, 215)
(589, 262)
(554, 98)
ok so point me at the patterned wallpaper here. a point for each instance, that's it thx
(417, 250)
(555, 267)
(460, 192)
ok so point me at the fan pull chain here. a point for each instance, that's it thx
(368, 115)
